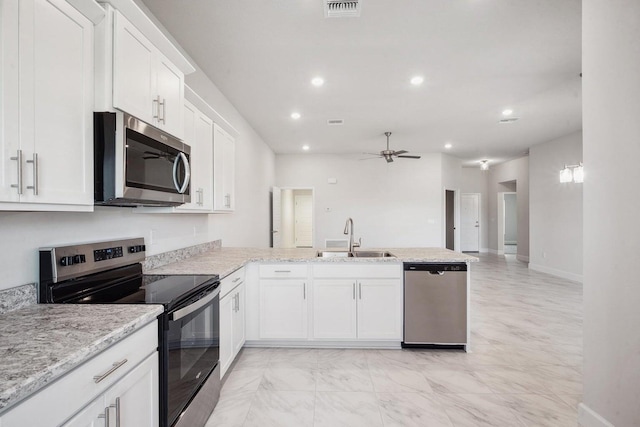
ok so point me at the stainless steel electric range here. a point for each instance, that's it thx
(111, 273)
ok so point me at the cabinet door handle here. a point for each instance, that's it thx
(117, 412)
(304, 291)
(18, 158)
(34, 187)
(156, 107)
(237, 302)
(360, 290)
(162, 104)
(354, 290)
(107, 411)
(115, 366)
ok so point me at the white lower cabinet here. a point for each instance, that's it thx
(357, 302)
(283, 308)
(119, 385)
(232, 319)
(132, 401)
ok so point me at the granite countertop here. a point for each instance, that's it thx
(224, 261)
(40, 343)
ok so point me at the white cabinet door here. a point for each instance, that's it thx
(239, 320)
(134, 62)
(223, 170)
(226, 332)
(93, 415)
(283, 308)
(334, 308)
(135, 396)
(9, 101)
(198, 134)
(170, 90)
(380, 309)
(47, 110)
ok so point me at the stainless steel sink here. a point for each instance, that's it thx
(373, 254)
(334, 254)
(356, 254)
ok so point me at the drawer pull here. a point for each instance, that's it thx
(283, 271)
(115, 366)
(236, 279)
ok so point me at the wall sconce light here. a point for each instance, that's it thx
(572, 173)
(484, 165)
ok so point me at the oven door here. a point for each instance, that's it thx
(193, 349)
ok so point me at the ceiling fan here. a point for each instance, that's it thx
(389, 154)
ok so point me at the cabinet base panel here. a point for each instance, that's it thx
(324, 344)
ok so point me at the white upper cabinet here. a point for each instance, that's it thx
(223, 170)
(46, 118)
(145, 83)
(198, 134)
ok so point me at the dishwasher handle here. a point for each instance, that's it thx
(436, 268)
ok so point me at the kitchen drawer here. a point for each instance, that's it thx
(358, 271)
(277, 271)
(231, 281)
(77, 388)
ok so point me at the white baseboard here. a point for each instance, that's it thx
(484, 250)
(523, 258)
(555, 272)
(322, 344)
(493, 251)
(587, 417)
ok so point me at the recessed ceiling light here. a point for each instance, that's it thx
(305, 147)
(295, 115)
(507, 112)
(317, 81)
(417, 80)
(448, 145)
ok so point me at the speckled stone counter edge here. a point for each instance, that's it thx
(155, 261)
(19, 297)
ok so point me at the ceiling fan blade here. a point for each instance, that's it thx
(397, 153)
(370, 158)
(410, 157)
(373, 154)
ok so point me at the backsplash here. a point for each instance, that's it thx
(155, 261)
(19, 297)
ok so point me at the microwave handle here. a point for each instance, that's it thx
(187, 173)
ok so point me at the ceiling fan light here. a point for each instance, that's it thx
(484, 165)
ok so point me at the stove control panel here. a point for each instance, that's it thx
(108, 253)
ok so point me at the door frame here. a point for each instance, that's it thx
(479, 195)
(456, 218)
(313, 208)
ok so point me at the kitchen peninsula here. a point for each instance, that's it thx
(296, 298)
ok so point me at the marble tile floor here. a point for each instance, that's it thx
(524, 368)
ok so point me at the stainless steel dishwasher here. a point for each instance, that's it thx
(435, 305)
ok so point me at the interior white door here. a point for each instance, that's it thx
(276, 217)
(303, 216)
(470, 222)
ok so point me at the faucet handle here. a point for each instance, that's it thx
(358, 243)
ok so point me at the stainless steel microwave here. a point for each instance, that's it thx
(136, 164)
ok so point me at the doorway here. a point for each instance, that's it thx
(292, 217)
(508, 219)
(470, 222)
(451, 219)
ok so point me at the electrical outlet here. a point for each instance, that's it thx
(544, 254)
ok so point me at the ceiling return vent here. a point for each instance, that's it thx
(508, 120)
(342, 8)
(335, 122)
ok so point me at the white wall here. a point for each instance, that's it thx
(555, 209)
(611, 147)
(395, 204)
(513, 170)
(21, 234)
(474, 180)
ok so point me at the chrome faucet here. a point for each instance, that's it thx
(348, 229)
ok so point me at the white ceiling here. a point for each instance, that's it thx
(478, 57)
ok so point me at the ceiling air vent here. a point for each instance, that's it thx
(335, 122)
(342, 8)
(509, 120)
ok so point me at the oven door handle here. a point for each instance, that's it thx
(187, 173)
(185, 311)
